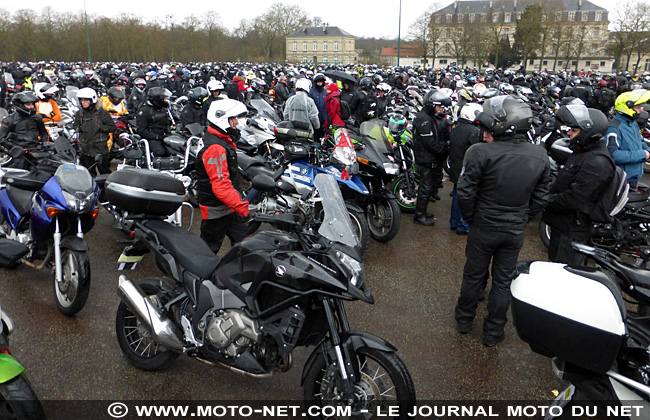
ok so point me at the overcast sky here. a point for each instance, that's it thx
(358, 17)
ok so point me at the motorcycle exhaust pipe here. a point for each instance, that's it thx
(161, 328)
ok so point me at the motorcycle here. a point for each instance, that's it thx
(588, 313)
(50, 215)
(248, 310)
(17, 398)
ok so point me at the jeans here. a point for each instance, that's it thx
(455, 220)
(483, 246)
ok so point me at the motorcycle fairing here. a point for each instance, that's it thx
(9, 368)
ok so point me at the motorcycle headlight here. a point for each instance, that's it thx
(78, 205)
(355, 267)
(391, 168)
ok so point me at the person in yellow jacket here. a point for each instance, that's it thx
(46, 105)
(115, 105)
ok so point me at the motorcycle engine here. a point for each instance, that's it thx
(232, 332)
(269, 205)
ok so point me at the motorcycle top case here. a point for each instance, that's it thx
(574, 313)
(141, 191)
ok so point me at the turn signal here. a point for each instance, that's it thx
(94, 213)
(52, 211)
(364, 161)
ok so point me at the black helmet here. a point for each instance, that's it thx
(159, 97)
(258, 85)
(178, 71)
(592, 134)
(115, 95)
(505, 115)
(318, 77)
(197, 95)
(21, 98)
(365, 83)
(397, 125)
(435, 97)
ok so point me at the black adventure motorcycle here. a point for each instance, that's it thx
(247, 311)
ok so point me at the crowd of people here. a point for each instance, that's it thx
(494, 127)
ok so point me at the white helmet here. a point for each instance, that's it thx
(384, 87)
(303, 84)
(87, 93)
(214, 85)
(220, 111)
(470, 110)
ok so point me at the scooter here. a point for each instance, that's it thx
(17, 398)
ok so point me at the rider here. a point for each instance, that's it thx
(318, 93)
(222, 209)
(300, 109)
(46, 105)
(153, 122)
(137, 96)
(367, 108)
(115, 105)
(94, 126)
(216, 88)
(192, 112)
(23, 125)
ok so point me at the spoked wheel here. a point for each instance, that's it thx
(384, 219)
(136, 342)
(384, 381)
(405, 194)
(5, 159)
(545, 233)
(72, 292)
(18, 401)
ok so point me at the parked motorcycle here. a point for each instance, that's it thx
(50, 215)
(269, 294)
(577, 316)
(17, 398)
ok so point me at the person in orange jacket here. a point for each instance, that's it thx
(115, 105)
(46, 105)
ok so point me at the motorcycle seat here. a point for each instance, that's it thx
(637, 277)
(637, 197)
(21, 199)
(26, 181)
(245, 161)
(189, 249)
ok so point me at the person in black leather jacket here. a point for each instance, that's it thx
(153, 122)
(430, 146)
(503, 184)
(24, 125)
(580, 182)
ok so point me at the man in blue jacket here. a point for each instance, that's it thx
(318, 94)
(624, 140)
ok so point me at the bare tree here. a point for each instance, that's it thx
(424, 33)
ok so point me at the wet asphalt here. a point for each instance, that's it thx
(415, 279)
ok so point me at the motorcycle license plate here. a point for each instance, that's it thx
(562, 400)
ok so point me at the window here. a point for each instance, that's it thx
(587, 63)
(448, 48)
(559, 63)
(495, 17)
(531, 61)
(518, 15)
(506, 18)
(584, 16)
(448, 33)
(483, 17)
(506, 32)
(571, 16)
(336, 58)
(460, 18)
(304, 46)
(324, 59)
(315, 46)
(472, 17)
(449, 18)
(324, 45)
(596, 32)
(599, 17)
(545, 63)
(602, 64)
(558, 16)
(304, 59)
(295, 46)
(350, 45)
(438, 18)
(460, 33)
(443, 61)
(594, 48)
(574, 63)
(336, 45)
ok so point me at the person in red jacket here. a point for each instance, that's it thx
(333, 106)
(222, 209)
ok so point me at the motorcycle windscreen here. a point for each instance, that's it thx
(264, 109)
(336, 224)
(374, 133)
(74, 179)
(71, 94)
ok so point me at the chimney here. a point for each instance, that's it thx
(324, 27)
(579, 4)
(456, 6)
(490, 4)
(515, 9)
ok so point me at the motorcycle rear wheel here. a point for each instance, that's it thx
(71, 294)
(18, 400)
(384, 219)
(134, 339)
(384, 381)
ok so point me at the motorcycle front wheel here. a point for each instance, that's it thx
(360, 228)
(384, 219)
(134, 339)
(405, 194)
(71, 294)
(18, 400)
(384, 382)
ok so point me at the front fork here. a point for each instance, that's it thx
(58, 269)
(346, 370)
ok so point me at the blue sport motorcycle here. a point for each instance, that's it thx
(43, 219)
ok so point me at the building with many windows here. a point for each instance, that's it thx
(574, 35)
(326, 44)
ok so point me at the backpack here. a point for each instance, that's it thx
(345, 111)
(613, 197)
(606, 98)
(231, 90)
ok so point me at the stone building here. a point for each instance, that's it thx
(326, 45)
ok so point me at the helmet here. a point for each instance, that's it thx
(489, 93)
(26, 71)
(468, 94)
(506, 88)
(258, 85)
(396, 125)
(574, 115)
(214, 85)
(21, 98)
(377, 79)
(436, 97)
(365, 83)
(384, 87)
(159, 97)
(470, 111)
(44, 91)
(625, 103)
(319, 77)
(593, 134)
(505, 115)
(88, 93)
(197, 95)
(89, 74)
(221, 111)
(115, 94)
(303, 84)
